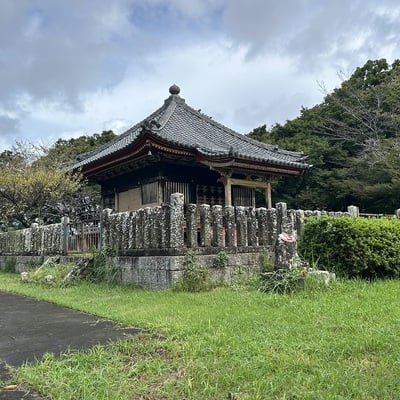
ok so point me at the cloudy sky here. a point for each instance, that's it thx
(76, 67)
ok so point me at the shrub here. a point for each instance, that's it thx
(195, 277)
(266, 263)
(104, 270)
(353, 247)
(221, 260)
(283, 281)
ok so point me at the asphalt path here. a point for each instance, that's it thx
(30, 328)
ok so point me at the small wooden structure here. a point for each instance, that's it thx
(179, 149)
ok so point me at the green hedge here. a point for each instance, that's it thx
(353, 247)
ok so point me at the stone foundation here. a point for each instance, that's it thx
(159, 271)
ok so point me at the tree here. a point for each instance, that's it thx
(366, 109)
(320, 186)
(28, 187)
(364, 113)
(67, 150)
(37, 185)
(352, 141)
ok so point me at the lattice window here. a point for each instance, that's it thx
(243, 196)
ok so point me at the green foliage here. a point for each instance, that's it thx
(67, 150)
(353, 247)
(300, 279)
(266, 263)
(49, 275)
(221, 260)
(36, 183)
(29, 184)
(351, 140)
(104, 270)
(283, 281)
(195, 277)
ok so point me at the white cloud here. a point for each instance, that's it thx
(71, 68)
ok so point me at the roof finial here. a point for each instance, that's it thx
(174, 89)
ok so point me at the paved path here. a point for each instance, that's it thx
(30, 328)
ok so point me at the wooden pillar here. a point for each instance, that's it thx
(228, 182)
(228, 192)
(268, 197)
(228, 189)
(116, 201)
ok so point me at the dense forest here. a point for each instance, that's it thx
(352, 142)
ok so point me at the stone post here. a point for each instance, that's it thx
(191, 225)
(28, 241)
(147, 228)
(291, 214)
(272, 226)
(252, 227)
(353, 211)
(132, 230)
(35, 237)
(41, 238)
(205, 228)
(165, 226)
(177, 221)
(230, 226)
(65, 234)
(119, 230)
(111, 231)
(218, 226)
(281, 209)
(286, 247)
(397, 213)
(241, 224)
(156, 235)
(261, 214)
(140, 228)
(124, 231)
(151, 225)
(105, 228)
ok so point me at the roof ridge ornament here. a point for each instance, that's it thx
(149, 125)
(174, 90)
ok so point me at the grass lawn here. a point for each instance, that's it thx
(341, 343)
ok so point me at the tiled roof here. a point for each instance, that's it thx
(179, 124)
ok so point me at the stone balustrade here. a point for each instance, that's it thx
(177, 226)
(171, 226)
(36, 240)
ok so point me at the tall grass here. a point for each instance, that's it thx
(340, 343)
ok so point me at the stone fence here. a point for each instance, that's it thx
(36, 240)
(178, 226)
(169, 229)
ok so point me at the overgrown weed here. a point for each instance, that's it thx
(195, 277)
(50, 275)
(104, 270)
